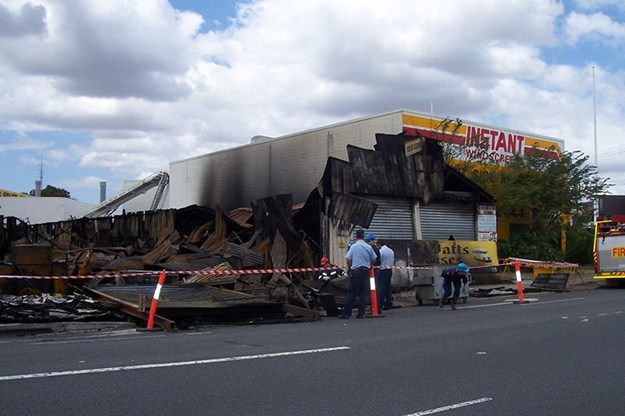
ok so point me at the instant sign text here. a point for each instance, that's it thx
(493, 145)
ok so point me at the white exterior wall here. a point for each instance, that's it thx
(39, 210)
(290, 164)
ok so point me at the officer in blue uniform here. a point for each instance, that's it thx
(359, 258)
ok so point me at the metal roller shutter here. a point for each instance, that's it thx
(440, 220)
(393, 219)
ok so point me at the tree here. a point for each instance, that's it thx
(50, 190)
(556, 195)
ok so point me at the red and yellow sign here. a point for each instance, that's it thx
(618, 252)
(484, 144)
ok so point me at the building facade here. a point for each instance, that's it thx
(294, 163)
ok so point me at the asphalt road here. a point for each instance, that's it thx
(560, 354)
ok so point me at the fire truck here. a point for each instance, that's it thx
(609, 250)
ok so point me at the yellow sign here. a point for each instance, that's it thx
(482, 143)
(9, 193)
(473, 253)
(618, 252)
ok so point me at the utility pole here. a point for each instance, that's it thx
(594, 113)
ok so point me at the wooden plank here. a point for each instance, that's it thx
(130, 309)
(299, 311)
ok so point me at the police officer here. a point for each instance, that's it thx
(457, 277)
(385, 276)
(359, 258)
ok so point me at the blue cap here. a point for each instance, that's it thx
(462, 267)
(360, 233)
(369, 236)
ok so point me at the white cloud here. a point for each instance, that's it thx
(108, 49)
(29, 19)
(144, 87)
(599, 4)
(596, 25)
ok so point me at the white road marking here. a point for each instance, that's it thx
(451, 407)
(485, 306)
(526, 300)
(510, 302)
(164, 365)
(561, 300)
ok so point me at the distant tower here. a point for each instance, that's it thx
(40, 181)
(102, 191)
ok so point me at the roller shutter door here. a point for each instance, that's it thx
(393, 219)
(439, 220)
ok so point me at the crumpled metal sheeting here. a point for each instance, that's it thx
(47, 308)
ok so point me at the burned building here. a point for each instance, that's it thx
(294, 164)
(395, 185)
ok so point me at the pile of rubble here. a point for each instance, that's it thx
(48, 308)
(116, 262)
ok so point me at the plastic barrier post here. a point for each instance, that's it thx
(157, 294)
(374, 296)
(519, 282)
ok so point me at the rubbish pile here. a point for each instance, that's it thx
(116, 261)
(48, 308)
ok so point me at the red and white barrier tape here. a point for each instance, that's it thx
(530, 263)
(197, 272)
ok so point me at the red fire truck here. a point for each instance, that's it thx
(609, 250)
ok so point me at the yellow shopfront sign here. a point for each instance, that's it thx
(482, 143)
(473, 253)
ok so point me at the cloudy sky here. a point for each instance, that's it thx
(95, 90)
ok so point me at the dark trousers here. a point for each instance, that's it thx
(383, 286)
(358, 284)
(447, 287)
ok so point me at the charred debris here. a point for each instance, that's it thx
(124, 247)
(271, 234)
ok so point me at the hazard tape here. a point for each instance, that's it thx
(215, 272)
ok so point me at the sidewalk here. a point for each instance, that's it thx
(505, 284)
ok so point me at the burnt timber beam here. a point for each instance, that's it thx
(130, 309)
(299, 311)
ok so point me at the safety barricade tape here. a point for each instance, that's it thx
(216, 272)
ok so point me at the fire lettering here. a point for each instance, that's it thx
(618, 252)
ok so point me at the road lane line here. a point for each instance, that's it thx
(485, 306)
(173, 364)
(451, 407)
(509, 302)
(560, 300)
